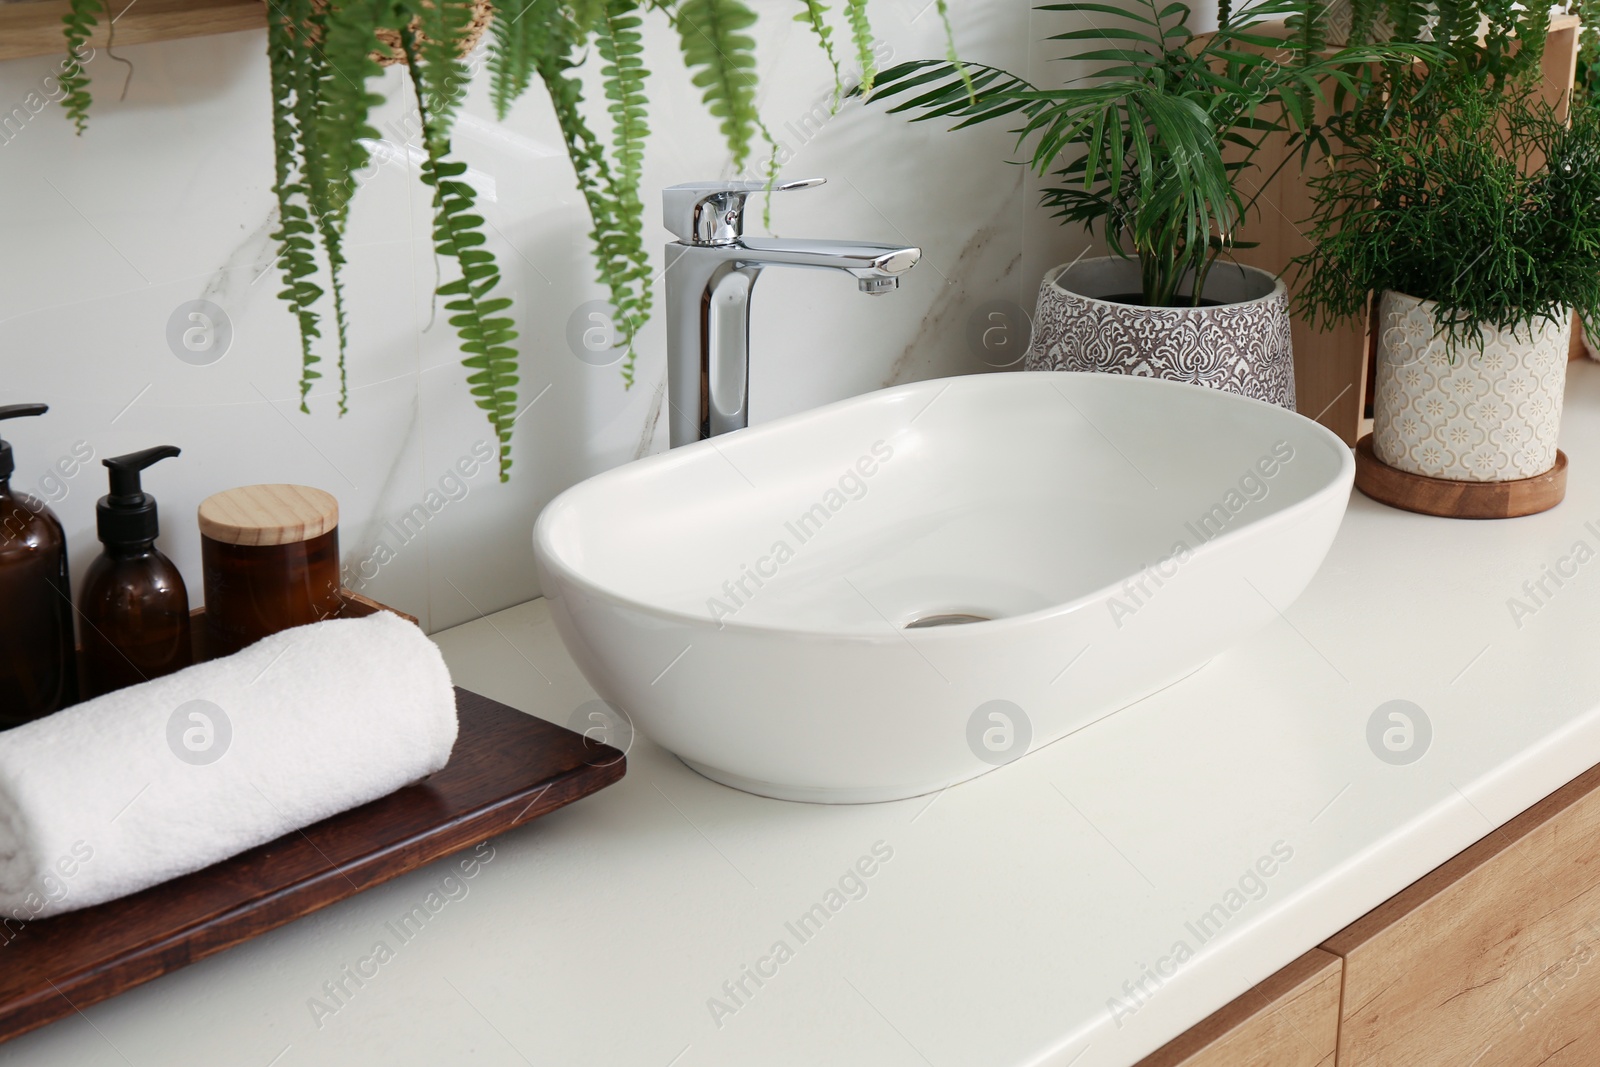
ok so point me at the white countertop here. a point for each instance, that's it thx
(1013, 907)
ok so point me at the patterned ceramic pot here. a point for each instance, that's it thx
(1241, 345)
(1488, 416)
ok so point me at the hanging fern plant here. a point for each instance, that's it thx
(323, 55)
(1493, 40)
(1587, 79)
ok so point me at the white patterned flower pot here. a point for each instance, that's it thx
(1239, 345)
(1482, 416)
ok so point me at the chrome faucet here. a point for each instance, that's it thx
(710, 270)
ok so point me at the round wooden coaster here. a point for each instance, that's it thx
(1458, 500)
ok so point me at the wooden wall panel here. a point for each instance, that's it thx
(1330, 364)
(1559, 63)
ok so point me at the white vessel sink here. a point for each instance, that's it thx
(753, 601)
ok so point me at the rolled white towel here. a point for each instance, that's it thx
(152, 782)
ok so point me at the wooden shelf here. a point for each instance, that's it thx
(33, 27)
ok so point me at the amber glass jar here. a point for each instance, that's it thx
(269, 557)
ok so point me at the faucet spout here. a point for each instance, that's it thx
(710, 273)
(865, 260)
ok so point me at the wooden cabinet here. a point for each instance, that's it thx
(1493, 959)
(1290, 1020)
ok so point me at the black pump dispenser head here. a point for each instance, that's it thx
(127, 514)
(15, 411)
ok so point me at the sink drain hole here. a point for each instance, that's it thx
(950, 618)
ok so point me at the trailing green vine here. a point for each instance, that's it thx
(542, 42)
(861, 35)
(323, 55)
(1492, 39)
(723, 59)
(292, 76)
(815, 16)
(486, 332)
(79, 22)
(621, 46)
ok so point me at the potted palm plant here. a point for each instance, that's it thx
(1155, 146)
(1473, 210)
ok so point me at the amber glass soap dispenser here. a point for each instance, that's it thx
(134, 604)
(38, 671)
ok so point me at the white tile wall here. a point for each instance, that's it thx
(167, 200)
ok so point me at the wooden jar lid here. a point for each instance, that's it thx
(268, 515)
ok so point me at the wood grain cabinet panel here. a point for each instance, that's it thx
(1289, 1020)
(1493, 959)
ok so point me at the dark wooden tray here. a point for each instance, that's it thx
(507, 769)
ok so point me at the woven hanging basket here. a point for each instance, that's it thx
(391, 53)
(388, 53)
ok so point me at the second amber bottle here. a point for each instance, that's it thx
(134, 607)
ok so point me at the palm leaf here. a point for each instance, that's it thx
(970, 92)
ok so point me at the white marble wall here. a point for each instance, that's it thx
(167, 200)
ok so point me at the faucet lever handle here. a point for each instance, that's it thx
(712, 213)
